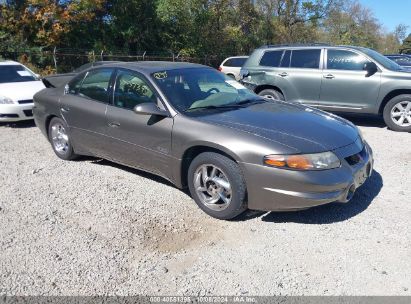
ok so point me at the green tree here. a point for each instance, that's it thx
(406, 45)
(133, 26)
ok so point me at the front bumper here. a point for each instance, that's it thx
(16, 112)
(272, 189)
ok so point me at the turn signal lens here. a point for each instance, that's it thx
(317, 161)
(275, 160)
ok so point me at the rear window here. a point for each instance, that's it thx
(271, 58)
(235, 62)
(305, 59)
(15, 73)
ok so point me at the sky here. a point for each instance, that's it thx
(391, 12)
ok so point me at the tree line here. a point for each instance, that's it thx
(192, 28)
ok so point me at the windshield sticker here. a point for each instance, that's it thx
(24, 73)
(236, 84)
(160, 75)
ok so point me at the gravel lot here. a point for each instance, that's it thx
(92, 227)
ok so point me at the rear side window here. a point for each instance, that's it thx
(271, 58)
(235, 62)
(345, 60)
(305, 59)
(95, 85)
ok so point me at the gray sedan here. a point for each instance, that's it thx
(203, 130)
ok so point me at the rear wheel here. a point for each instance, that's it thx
(60, 139)
(217, 185)
(397, 113)
(271, 94)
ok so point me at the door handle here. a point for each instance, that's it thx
(283, 74)
(329, 76)
(114, 124)
(65, 109)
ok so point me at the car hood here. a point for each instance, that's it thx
(303, 129)
(21, 90)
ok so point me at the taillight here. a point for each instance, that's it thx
(220, 69)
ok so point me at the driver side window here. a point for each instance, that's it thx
(131, 90)
(96, 85)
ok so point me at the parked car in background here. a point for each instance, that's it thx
(60, 79)
(402, 60)
(231, 66)
(199, 128)
(18, 84)
(334, 78)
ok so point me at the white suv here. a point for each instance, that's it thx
(231, 66)
(18, 84)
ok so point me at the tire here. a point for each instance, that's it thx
(231, 76)
(393, 106)
(60, 139)
(272, 94)
(226, 171)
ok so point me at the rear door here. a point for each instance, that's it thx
(300, 75)
(345, 86)
(142, 141)
(84, 106)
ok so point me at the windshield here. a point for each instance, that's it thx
(381, 59)
(201, 88)
(15, 73)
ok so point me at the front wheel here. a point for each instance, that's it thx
(397, 113)
(60, 139)
(217, 185)
(271, 94)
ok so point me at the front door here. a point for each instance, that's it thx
(345, 85)
(142, 141)
(84, 106)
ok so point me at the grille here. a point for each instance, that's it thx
(28, 113)
(25, 101)
(356, 158)
(9, 116)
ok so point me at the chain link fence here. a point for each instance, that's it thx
(67, 60)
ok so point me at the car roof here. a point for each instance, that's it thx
(244, 56)
(9, 62)
(149, 67)
(309, 46)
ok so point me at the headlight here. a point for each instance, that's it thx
(317, 161)
(5, 100)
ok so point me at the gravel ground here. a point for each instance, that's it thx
(92, 227)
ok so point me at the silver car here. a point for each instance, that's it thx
(333, 78)
(203, 130)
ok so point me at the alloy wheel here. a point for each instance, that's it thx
(212, 187)
(401, 114)
(59, 138)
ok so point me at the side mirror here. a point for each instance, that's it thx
(371, 68)
(149, 108)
